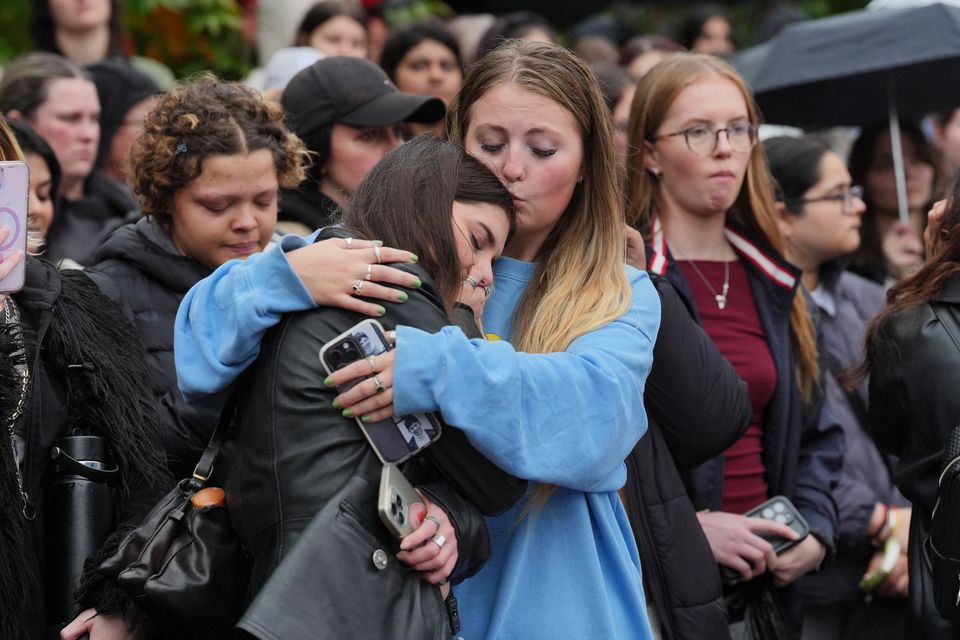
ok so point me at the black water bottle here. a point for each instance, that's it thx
(79, 513)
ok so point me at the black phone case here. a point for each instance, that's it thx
(779, 509)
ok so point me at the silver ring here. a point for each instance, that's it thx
(439, 540)
(487, 290)
(434, 519)
(380, 386)
(369, 272)
(370, 361)
(376, 252)
(471, 281)
(357, 286)
(349, 242)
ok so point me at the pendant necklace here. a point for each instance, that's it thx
(721, 297)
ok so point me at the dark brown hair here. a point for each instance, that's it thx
(200, 118)
(869, 259)
(406, 201)
(323, 11)
(43, 30)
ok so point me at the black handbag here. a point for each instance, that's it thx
(184, 564)
(943, 545)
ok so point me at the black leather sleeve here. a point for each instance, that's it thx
(487, 486)
(693, 392)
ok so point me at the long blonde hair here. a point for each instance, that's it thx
(754, 207)
(580, 282)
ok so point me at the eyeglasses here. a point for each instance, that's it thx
(703, 139)
(846, 196)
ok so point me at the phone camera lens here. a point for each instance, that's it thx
(400, 517)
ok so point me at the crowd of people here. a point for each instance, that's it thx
(690, 381)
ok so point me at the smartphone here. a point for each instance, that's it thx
(399, 505)
(14, 194)
(395, 439)
(780, 509)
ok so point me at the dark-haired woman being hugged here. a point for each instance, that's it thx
(698, 181)
(304, 463)
(914, 368)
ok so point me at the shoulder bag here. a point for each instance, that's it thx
(184, 564)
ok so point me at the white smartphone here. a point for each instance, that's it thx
(398, 502)
(395, 439)
(14, 196)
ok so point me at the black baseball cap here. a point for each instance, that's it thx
(351, 91)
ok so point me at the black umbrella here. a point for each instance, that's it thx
(859, 68)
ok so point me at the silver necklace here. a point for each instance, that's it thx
(721, 298)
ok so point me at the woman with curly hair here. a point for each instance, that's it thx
(207, 171)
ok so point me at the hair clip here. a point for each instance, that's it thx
(181, 149)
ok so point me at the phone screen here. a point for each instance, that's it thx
(14, 195)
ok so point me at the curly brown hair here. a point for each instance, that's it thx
(204, 117)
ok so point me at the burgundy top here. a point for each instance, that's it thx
(737, 332)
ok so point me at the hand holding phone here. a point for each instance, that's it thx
(781, 515)
(779, 509)
(394, 439)
(14, 195)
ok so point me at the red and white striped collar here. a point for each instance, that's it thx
(746, 248)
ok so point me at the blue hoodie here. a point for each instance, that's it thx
(567, 569)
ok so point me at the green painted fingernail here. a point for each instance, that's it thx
(414, 258)
(336, 404)
(328, 382)
(381, 311)
(416, 284)
(377, 242)
(365, 418)
(402, 297)
(347, 413)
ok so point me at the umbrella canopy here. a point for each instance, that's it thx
(850, 68)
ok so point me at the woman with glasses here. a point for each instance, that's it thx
(702, 189)
(820, 216)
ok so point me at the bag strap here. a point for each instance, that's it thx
(952, 448)
(204, 468)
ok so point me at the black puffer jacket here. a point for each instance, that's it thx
(914, 405)
(696, 407)
(141, 270)
(301, 462)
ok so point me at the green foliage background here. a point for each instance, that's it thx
(193, 35)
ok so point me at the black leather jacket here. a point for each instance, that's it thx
(914, 404)
(304, 488)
